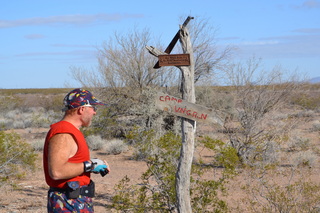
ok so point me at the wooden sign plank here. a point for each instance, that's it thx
(174, 41)
(174, 60)
(185, 109)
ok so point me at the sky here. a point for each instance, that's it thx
(41, 40)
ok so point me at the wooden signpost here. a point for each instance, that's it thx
(184, 108)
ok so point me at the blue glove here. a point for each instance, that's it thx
(98, 166)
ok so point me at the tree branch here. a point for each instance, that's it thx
(154, 51)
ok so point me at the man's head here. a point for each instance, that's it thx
(80, 97)
(80, 107)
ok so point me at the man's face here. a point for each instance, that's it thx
(87, 115)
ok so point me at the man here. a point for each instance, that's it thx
(66, 157)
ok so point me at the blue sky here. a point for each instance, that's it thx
(41, 40)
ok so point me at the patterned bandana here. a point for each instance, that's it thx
(80, 97)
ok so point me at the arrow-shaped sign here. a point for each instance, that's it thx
(179, 107)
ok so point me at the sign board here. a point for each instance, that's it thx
(174, 60)
(185, 109)
(174, 41)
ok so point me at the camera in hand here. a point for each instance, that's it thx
(104, 172)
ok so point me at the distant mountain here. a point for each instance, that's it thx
(315, 80)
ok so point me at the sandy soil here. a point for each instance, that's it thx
(30, 193)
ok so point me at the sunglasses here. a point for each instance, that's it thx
(93, 107)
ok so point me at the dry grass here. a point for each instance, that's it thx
(298, 158)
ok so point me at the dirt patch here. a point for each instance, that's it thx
(30, 194)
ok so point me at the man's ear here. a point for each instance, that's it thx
(80, 110)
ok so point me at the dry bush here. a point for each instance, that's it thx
(256, 97)
(115, 147)
(297, 143)
(35, 117)
(286, 189)
(214, 97)
(316, 126)
(305, 159)
(307, 98)
(37, 144)
(95, 142)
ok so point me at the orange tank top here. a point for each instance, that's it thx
(64, 127)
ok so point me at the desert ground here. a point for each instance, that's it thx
(29, 193)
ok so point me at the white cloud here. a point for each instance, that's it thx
(72, 45)
(310, 4)
(293, 46)
(259, 43)
(34, 36)
(68, 53)
(307, 30)
(67, 19)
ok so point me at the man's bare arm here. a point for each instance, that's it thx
(61, 148)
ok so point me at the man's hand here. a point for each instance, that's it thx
(99, 166)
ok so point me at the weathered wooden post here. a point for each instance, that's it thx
(188, 128)
(185, 108)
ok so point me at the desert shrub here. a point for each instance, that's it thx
(257, 98)
(37, 145)
(298, 144)
(307, 101)
(16, 156)
(157, 192)
(142, 141)
(162, 197)
(225, 156)
(53, 102)
(215, 98)
(316, 126)
(95, 142)
(205, 192)
(294, 193)
(5, 124)
(304, 114)
(103, 124)
(305, 158)
(9, 102)
(13, 119)
(40, 117)
(36, 117)
(116, 146)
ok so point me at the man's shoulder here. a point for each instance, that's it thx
(62, 124)
(62, 127)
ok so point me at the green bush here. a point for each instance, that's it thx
(157, 192)
(226, 156)
(16, 156)
(142, 142)
(162, 165)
